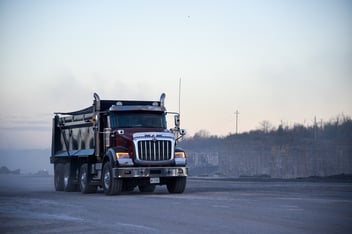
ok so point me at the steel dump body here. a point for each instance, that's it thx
(116, 144)
(73, 135)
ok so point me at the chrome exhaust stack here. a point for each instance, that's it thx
(162, 100)
(97, 124)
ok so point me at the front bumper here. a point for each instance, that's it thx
(135, 172)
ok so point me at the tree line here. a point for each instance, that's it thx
(324, 148)
(337, 130)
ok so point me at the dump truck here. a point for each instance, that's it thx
(118, 145)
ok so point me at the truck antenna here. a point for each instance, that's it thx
(179, 97)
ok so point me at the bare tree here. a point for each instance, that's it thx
(202, 134)
(266, 126)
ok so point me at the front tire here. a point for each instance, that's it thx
(177, 185)
(112, 186)
(84, 180)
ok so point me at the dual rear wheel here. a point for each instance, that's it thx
(85, 179)
(63, 177)
(59, 176)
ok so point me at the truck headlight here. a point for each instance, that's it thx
(180, 155)
(180, 158)
(123, 158)
(120, 155)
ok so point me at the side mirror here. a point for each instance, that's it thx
(183, 132)
(177, 121)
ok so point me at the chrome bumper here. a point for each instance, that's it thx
(133, 172)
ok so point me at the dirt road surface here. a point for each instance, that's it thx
(29, 204)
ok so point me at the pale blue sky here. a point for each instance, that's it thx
(272, 60)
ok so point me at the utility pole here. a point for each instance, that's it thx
(237, 113)
(315, 128)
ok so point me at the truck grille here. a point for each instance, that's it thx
(159, 150)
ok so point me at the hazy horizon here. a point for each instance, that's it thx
(281, 61)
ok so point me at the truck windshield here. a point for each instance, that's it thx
(138, 119)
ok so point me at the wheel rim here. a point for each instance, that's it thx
(107, 180)
(65, 181)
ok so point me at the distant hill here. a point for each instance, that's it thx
(28, 161)
(5, 170)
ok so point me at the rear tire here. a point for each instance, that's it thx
(111, 186)
(84, 180)
(177, 185)
(59, 176)
(69, 185)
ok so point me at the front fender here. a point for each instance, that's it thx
(110, 156)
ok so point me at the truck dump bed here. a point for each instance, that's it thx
(73, 133)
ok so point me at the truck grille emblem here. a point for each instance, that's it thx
(154, 139)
